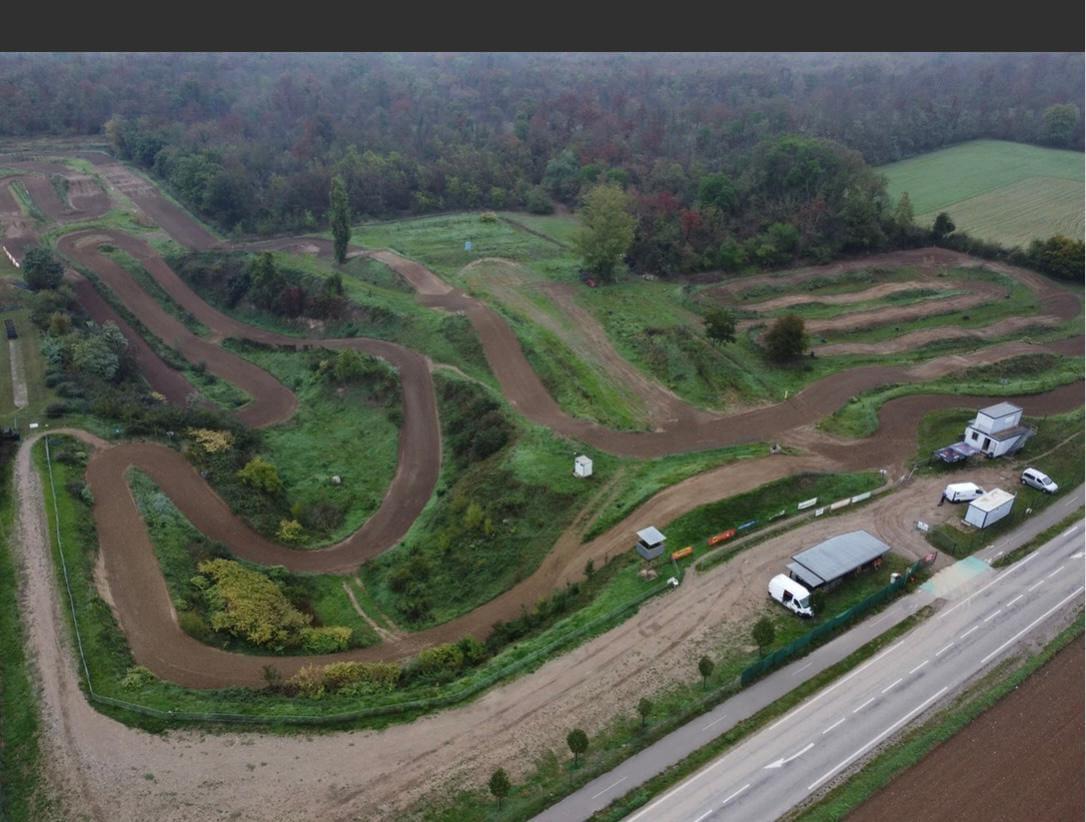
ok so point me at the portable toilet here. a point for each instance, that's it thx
(650, 543)
(990, 508)
(582, 466)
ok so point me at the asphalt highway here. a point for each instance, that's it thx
(986, 614)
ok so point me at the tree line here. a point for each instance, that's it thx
(252, 141)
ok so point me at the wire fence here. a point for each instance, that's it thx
(408, 706)
(798, 646)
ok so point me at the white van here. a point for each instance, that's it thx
(962, 492)
(1039, 480)
(791, 595)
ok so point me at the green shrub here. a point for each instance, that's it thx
(326, 640)
(136, 678)
(194, 625)
(249, 605)
(439, 659)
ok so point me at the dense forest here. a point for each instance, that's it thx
(730, 159)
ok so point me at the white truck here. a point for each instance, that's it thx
(791, 595)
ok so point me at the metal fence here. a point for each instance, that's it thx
(423, 704)
(800, 645)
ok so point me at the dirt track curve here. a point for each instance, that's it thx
(135, 581)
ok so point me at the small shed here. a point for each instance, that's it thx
(991, 508)
(835, 558)
(650, 543)
(582, 466)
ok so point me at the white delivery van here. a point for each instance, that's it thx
(962, 492)
(791, 595)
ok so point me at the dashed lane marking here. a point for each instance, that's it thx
(1039, 619)
(944, 648)
(992, 615)
(892, 684)
(605, 790)
(967, 633)
(918, 667)
(1054, 572)
(834, 725)
(730, 798)
(857, 710)
(878, 738)
(1035, 586)
(1009, 604)
(715, 721)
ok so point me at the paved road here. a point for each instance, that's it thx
(985, 612)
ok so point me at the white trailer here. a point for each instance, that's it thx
(990, 508)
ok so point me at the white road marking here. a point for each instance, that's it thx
(718, 719)
(730, 798)
(1069, 531)
(1035, 586)
(605, 790)
(857, 710)
(804, 668)
(944, 648)
(881, 619)
(1039, 619)
(707, 813)
(1054, 572)
(780, 763)
(1009, 604)
(834, 725)
(1020, 564)
(918, 667)
(878, 738)
(892, 684)
(992, 615)
(835, 685)
(967, 633)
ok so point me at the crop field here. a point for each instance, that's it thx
(1002, 192)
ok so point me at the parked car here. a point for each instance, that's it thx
(791, 595)
(962, 492)
(1039, 480)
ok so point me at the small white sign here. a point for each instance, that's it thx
(820, 511)
(807, 503)
(921, 526)
(841, 503)
(862, 497)
(33, 425)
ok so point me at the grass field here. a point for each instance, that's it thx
(1004, 192)
(341, 431)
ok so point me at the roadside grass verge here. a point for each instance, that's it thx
(180, 548)
(22, 798)
(1023, 551)
(1060, 439)
(347, 430)
(917, 743)
(570, 617)
(553, 777)
(1025, 374)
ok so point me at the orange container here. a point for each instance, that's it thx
(723, 536)
(682, 553)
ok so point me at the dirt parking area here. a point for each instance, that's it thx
(1020, 760)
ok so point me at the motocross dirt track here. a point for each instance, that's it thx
(343, 775)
